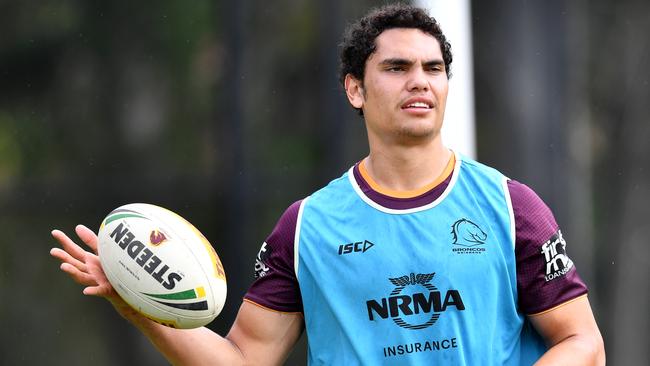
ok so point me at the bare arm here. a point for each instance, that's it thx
(571, 332)
(258, 336)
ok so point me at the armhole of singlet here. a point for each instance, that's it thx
(296, 239)
(511, 213)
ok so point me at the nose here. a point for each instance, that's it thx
(417, 80)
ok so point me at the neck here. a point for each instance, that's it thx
(407, 167)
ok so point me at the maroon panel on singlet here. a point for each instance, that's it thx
(276, 286)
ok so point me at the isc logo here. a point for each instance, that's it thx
(359, 246)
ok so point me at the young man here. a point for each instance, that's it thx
(416, 255)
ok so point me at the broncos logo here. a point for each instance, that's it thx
(467, 233)
(157, 237)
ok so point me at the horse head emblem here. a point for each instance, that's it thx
(467, 233)
(157, 237)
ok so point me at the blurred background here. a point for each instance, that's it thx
(229, 111)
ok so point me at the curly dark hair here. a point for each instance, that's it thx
(359, 39)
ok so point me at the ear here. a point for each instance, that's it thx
(354, 91)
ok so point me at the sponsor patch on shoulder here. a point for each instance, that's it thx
(261, 268)
(557, 262)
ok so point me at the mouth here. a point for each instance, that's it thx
(418, 104)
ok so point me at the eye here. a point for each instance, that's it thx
(395, 68)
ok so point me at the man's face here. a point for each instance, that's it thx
(404, 91)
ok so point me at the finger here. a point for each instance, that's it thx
(64, 257)
(96, 291)
(68, 245)
(79, 277)
(88, 236)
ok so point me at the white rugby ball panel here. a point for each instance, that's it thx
(162, 265)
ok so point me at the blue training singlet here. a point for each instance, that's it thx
(432, 285)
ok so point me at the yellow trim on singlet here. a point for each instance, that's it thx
(410, 193)
(558, 306)
(269, 309)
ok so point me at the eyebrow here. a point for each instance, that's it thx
(406, 62)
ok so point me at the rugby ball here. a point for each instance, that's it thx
(161, 265)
